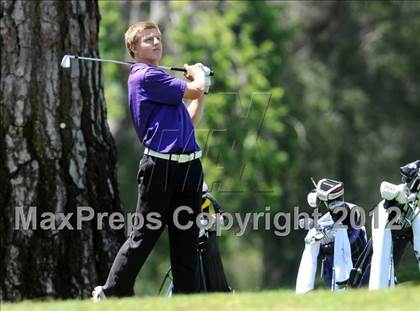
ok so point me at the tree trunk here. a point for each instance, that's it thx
(56, 150)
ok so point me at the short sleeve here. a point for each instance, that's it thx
(160, 87)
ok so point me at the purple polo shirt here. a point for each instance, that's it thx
(161, 120)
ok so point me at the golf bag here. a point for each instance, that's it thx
(358, 244)
(336, 247)
(388, 246)
(321, 245)
(360, 274)
(212, 274)
(400, 207)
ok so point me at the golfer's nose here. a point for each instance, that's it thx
(156, 41)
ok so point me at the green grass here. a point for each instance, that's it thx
(404, 297)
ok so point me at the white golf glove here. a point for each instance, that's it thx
(207, 75)
(207, 78)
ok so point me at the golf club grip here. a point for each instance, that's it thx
(217, 207)
(184, 70)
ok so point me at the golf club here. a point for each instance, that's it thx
(65, 62)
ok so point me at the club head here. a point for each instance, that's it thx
(65, 62)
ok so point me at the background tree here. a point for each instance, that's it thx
(56, 149)
(253, 146)
(352, 78)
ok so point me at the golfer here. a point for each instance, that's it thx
(170, 173)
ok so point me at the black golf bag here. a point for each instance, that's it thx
(212, 274)
(359, 276)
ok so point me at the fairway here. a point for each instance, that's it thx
(406, 297)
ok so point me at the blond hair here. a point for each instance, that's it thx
(132, 34)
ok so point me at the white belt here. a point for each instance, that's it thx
(181, 158)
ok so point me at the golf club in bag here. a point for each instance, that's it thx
(66, 62)
(212, 274)
(399, 209)
(359, 275)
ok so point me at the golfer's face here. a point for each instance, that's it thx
(150, 44)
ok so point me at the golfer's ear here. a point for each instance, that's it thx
(193, 91)
(132, 49)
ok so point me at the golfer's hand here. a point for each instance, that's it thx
(194, 71)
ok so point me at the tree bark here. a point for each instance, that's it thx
(57, 152)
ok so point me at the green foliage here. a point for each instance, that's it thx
(248, 145)
(355, 76)
(242, 128)
(111, 46)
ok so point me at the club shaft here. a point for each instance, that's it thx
(102, 60)
(128, 63)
